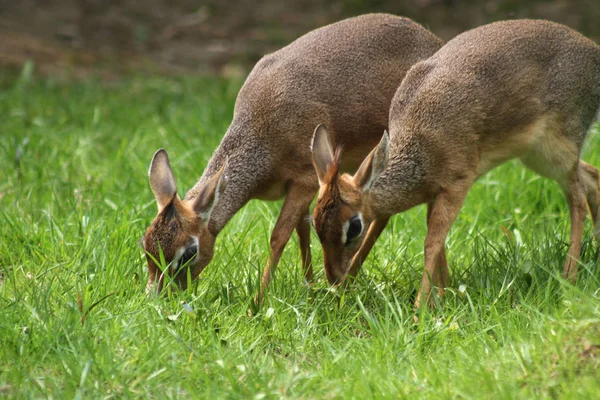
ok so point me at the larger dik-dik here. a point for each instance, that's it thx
(525, 89)
(344, 74)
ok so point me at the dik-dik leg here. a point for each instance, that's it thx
(293, 211)
(442, 262)
(442, 213)
(574, 191)
(591, 180)
(566, 168)
(303, 231)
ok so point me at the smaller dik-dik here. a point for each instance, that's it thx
(526, 89)
(344, 74)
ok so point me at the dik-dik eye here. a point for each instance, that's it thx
(354, 229)
(188, 255)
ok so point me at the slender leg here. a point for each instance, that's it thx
(373, 234)
(442, 262)
(579, 182)
(575, 194)
(303, 231)
(443, 212)
(591, 180)
(294, 209)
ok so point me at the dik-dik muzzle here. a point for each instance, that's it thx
(173, 247)
(339, 245)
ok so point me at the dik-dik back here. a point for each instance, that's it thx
(526, 89)
(507, 86)
(344, 75)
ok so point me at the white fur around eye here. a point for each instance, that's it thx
(175, 262)
(195, 240)
(345, 231)
(179, 253)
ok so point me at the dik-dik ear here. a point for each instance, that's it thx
(322, 151)
(210, 193)
(373, 165)
(162, 180)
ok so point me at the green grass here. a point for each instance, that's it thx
(75, 321)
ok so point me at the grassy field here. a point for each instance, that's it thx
(75, 321)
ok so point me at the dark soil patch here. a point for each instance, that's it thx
(109, 37)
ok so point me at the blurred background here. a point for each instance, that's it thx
(108, 38)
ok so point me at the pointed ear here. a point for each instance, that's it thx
(210, 193)
(373, 165)
(322, 151)
(162, 180)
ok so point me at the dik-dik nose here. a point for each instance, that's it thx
(154, 285)
(334, 273)
(163, 284)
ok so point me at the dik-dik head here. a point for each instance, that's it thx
(343, 211)
(180, 230)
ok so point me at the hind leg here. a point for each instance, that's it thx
(575, 194)
(573, 184)
(557, 157)
(591, 180)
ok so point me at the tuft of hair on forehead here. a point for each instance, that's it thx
(333, 169)
(328, 205)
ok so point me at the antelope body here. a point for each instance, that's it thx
(526, 89)
(345, 74)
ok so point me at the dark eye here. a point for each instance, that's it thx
(188, 255)
(354, 229)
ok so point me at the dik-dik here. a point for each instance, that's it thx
(344, 74)
(526, 89)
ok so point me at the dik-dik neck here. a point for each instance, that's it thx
(403, 184)
(243, 175)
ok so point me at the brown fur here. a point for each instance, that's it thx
(344, 75)
(165, 233)
(329, 195)
(522, 89)
(333, 169)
